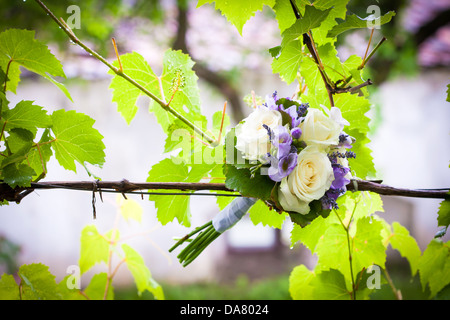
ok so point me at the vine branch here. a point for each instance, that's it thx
(127, 187)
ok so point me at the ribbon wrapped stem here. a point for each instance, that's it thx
(211, 230)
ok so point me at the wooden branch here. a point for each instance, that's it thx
(125, 186)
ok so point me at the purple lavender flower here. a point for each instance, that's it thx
(340, 180)
(280, 168)
(345, 140)
(282, 141)
(296, 133)
(271, 102)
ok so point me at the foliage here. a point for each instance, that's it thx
(350, 242)
(31, 135)
(37, 283)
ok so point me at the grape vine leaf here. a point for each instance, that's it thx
(339, 9)
(366, 245)
(75, 139)
(448, 93)
(20, 48)
(26, 115)
(434, 266)
(94, 248)
(129, 209)
(170, 207)
(19, 175)
(19, 143)
(310, 234)
(38, 157)
(9, 289)
(37, 283)
(96, 288)
(237, 13)
(259, 186)
(332, 250)
(444, 213)
(288, 62)
(141, 274)
(68, 290)
(352, 21)
(261, 213)
(300, 287)
(368, 248)
(312, 18)
(330, 285)
(124, 93)
(401, 241)
(177, 84)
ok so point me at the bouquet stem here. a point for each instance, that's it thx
(211, 230)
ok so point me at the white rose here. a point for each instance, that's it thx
(319, 129)
(252, 138)
(309, 180)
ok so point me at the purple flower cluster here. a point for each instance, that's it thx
(341, 173)
(283, 154)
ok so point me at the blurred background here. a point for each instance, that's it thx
(409, 131)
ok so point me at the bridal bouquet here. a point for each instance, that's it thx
(298, 152)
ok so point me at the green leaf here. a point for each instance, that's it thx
(360, 204)
(434, 266)
(288, 62)
(129, 209)
(18, 175)
(19, 48)
(354, 109)
(352, 21)
(448, 93)
(37, 283)
(124, 93)
(368, 248)
(76, 140)
(300, 279)
(67, 292)
(362, 165)
(9, 289)
(26, 115)
(19, 143)
(444, 213)
(332, 250)
(41, 154)
(170, 207)
(97, 286)
(330, 285)
(141, 274)
(339, 9)
(237, 13)
(261, 213)
(176, 66)
(94, 248)
(179, 83)
(312, 18)
(401, 241)
(310, 234)
(259, 186)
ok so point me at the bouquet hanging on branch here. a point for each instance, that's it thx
(292, 156)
